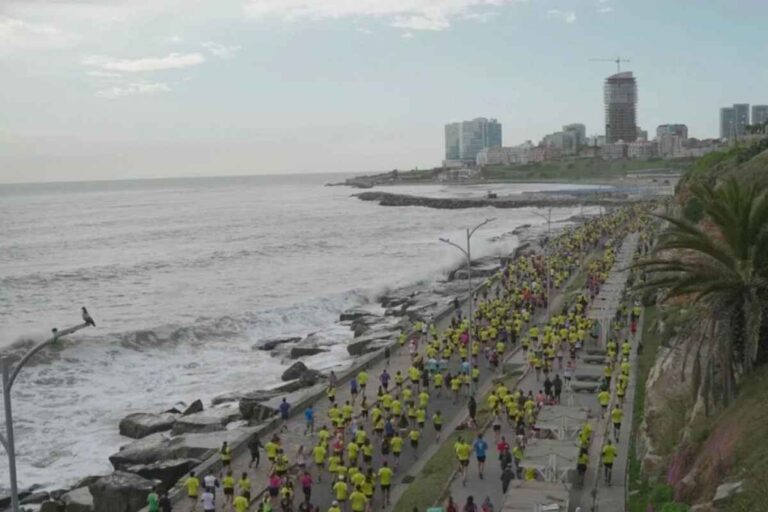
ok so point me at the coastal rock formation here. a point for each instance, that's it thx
(121, 492)
(363, 345)
(147, 450)
(194, 408)
(294, 371)
(297, 352)
(271, 343)
(354, 314)
(78, 500)
(251, 408)
(521, 201)
(210, 420)
(36, 498)
(142, 424)
(168, 471)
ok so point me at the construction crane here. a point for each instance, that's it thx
(617, 60)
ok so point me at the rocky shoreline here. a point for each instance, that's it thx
(168, 444)
(512, 201)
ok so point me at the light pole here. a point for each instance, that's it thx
(468, 254)
(10, 373)
(548, 218)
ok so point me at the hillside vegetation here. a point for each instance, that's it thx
(705, 413)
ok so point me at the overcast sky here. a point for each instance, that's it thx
(103, 89)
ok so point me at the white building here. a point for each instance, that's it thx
(614, 151)
(670, 145)
(642, 150)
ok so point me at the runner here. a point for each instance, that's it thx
(480, 447)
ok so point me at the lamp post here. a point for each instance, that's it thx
(10, 372)
(468, 254)
(548, 218)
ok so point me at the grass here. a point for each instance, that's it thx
(639, 488)
(576, 169)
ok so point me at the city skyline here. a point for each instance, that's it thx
(138, 89)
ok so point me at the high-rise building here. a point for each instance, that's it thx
(620, 93)
(741, 113)
(580, 132)
(680, 130)
(463, 141)
(727, 123)
(759, 114)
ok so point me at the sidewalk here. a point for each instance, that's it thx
(609, 498)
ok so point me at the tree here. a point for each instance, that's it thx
(721, 265)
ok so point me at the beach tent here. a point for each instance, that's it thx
(560, 421)
(552, 459)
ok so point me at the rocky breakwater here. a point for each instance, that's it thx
(512, 201)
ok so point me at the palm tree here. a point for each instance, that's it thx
(722, 265)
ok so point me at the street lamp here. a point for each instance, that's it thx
(468, 254)
(548, 218)
(10, 373)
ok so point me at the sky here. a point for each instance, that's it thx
(115, 89)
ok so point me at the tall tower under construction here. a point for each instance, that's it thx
(620, 107)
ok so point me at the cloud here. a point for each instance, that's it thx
(16, 34)
(103, 74)
(364, 30)
(221, 51)
(134, 89)
(605, 9)
(482, 17)
(407, 35)
(170, 61)
(421, 23)
(566, 16)
(408, 14)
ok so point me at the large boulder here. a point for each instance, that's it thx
(121, 492)
(168, 471)
(294, 372)
(36, 498)
(144, 451)
(271, 343)
(251, 408)
(210, 420)
(194, 408)
(52, 506)
(359, 346)
(297, 352)
(78, 500)
(142, 424)
(354, 314)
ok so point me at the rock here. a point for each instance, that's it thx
(52, 506)
(35, 498)
(232, 396)
(56, 494)
(78, 500)
(210, 420)
(271, 343)
(168, 471)
(121, 492)
(144, 451)
(86, 481)
(354, 314)
(194, 407)
(250, 405)
(297, 352)
(359, 346)
(651, 464)
(726, 491)
(141, 424)
(294, 372)
(308, 378)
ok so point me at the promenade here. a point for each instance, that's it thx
(610, 498)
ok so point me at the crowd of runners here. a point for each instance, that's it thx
(359, 447)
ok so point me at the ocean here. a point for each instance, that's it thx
(183, 277)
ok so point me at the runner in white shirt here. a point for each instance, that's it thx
(209, 502)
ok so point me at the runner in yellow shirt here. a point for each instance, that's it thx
(609, 456)
(385, 481)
